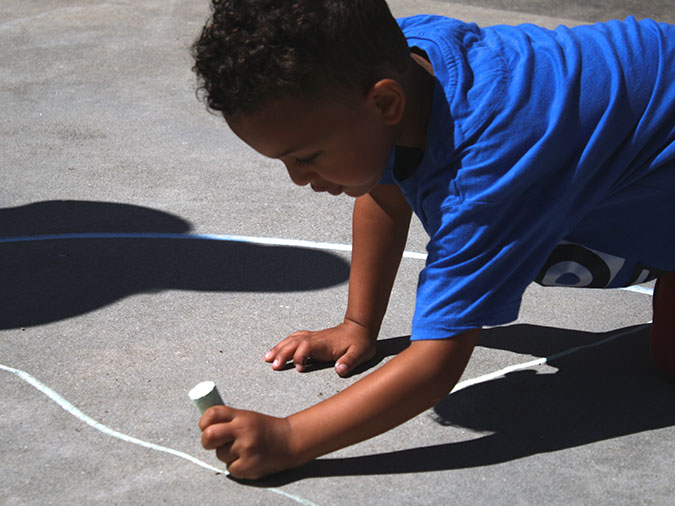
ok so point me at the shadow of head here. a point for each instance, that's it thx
(49, 280)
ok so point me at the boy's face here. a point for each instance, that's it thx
(335, 147)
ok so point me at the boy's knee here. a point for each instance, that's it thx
(662, 345)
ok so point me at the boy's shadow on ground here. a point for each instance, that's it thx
(47, 281)
(597, 393)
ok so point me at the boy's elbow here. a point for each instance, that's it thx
(445, 361)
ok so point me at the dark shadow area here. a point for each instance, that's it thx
(598, 393)
(75, 216)
(536, 340)
(46, 281)
(385, 348)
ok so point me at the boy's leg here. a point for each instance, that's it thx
(663, 328)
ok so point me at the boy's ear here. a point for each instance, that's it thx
(388, 98)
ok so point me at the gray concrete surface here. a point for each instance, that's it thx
(100, 132)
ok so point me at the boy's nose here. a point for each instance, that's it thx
(299, 176)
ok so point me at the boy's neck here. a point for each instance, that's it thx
(418, 83)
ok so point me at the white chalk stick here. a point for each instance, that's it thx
(205, 395)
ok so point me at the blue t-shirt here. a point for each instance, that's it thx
(550, 156)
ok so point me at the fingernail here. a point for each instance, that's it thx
(341, 368)
(276, 363)
(268, 355)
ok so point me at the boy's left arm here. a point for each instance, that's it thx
(254, 445)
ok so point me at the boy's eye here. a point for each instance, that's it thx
(306, 161)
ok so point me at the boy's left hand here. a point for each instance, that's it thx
(251, 444)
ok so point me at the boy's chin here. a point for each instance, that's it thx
(353, 192)
(359, 191)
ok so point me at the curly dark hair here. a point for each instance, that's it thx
(251, 51)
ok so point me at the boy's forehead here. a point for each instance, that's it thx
(289, 125)
(298, 104)
(272, 129)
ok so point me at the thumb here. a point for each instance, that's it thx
(353, 357)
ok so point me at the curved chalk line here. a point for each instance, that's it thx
(544, 360)
(266, 241)
(68, 407)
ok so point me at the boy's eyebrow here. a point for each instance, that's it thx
(287, 152)
(294, 150)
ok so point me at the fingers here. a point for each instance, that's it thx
(251, 444)
(216, 414)
(215, 436)
(215, 427)
(343, 368)
(284, 350)
(226, 454)
(302, 354)
(220, 437)
(349, 345)
(298, 347)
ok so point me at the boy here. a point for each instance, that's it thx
(527, 154)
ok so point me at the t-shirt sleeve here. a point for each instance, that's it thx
(481, 258)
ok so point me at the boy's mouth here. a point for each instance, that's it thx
(333, 190)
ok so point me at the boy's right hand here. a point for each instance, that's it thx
(348, 344)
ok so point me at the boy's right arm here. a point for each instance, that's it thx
(380, 230)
